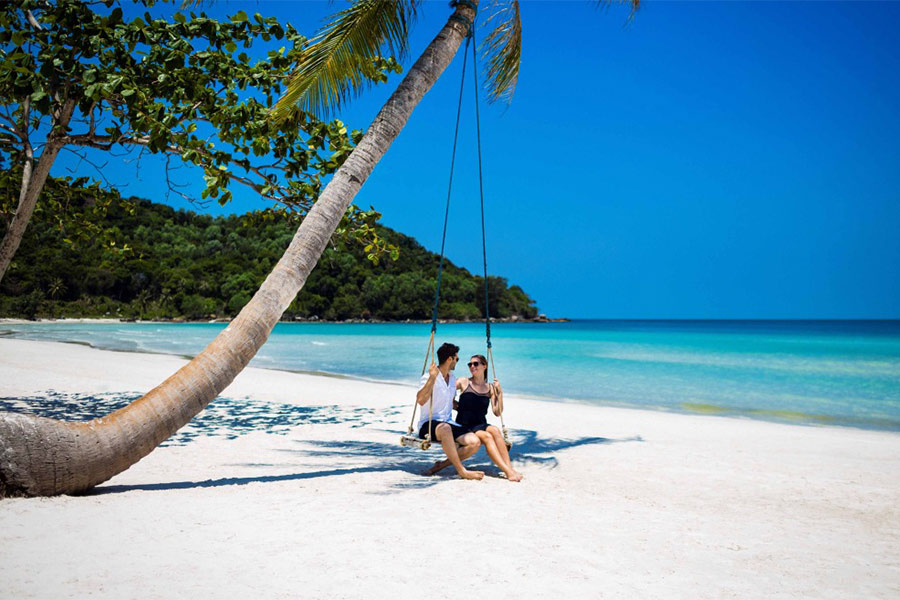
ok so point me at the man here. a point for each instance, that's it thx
(439, 389)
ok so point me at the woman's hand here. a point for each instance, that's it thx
(497, 397)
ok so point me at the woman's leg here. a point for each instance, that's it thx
(500, 443)
(490, 447)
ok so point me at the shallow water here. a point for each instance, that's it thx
(832, 372)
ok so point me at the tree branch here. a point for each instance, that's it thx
(29, 151)
(8, 117)
(99, 168)
(173, 187)
(105, 142)
(34, 22)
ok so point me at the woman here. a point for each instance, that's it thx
(477, 394)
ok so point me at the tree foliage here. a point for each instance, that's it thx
(177, 264)
(185, 88)
(334, 67)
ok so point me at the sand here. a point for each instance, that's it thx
(616, 503)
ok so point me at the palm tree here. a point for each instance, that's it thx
(56, 288)
(142, 298)
(40, 456)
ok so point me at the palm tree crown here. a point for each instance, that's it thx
(333, 68)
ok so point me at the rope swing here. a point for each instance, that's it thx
(411, 439)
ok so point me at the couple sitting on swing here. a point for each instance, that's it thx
(470, 429)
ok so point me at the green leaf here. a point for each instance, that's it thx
(502, 50)
(333, 68)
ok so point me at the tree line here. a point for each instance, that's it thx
(151, 261)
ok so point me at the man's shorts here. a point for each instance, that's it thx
(458, 430)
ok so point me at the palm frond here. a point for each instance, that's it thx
(635, 5)
(333, 68)
(501, 50)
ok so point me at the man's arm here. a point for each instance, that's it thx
(424, 394)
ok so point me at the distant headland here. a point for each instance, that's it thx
(177, 265)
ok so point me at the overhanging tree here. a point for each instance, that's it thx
(75, 79)
(43, 456)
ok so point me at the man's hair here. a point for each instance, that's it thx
(445, 352)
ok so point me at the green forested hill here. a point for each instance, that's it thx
(182, 264)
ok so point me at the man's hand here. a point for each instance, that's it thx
(424, 394)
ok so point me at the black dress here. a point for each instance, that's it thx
(472, 411)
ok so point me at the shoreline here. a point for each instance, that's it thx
(18, 321)
(638, 503)
(788, 417)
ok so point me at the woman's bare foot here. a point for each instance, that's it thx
(514, 476)
(466, 474)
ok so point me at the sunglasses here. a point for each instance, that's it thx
(473, 364)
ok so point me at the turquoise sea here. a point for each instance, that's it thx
(813, 372)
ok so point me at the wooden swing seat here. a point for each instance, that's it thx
(413, 441)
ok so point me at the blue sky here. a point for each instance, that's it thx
(709, 160)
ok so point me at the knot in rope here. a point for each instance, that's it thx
(461, 19)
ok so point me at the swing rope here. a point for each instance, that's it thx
(410, 439)
(437, 289)
(489, 353)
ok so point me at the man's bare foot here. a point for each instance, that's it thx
(438, 465)
(514, 476)
(466, 474)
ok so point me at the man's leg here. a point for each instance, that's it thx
(444, 434)
(469, 445)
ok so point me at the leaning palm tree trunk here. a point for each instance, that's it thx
(40, 456)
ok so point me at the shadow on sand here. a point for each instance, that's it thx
(528, 447)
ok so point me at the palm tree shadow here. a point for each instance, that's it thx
(528, 447)
(230, 481)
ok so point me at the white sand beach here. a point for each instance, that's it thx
(615, 503)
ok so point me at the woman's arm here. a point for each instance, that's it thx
(497, 398)
(461, 384)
